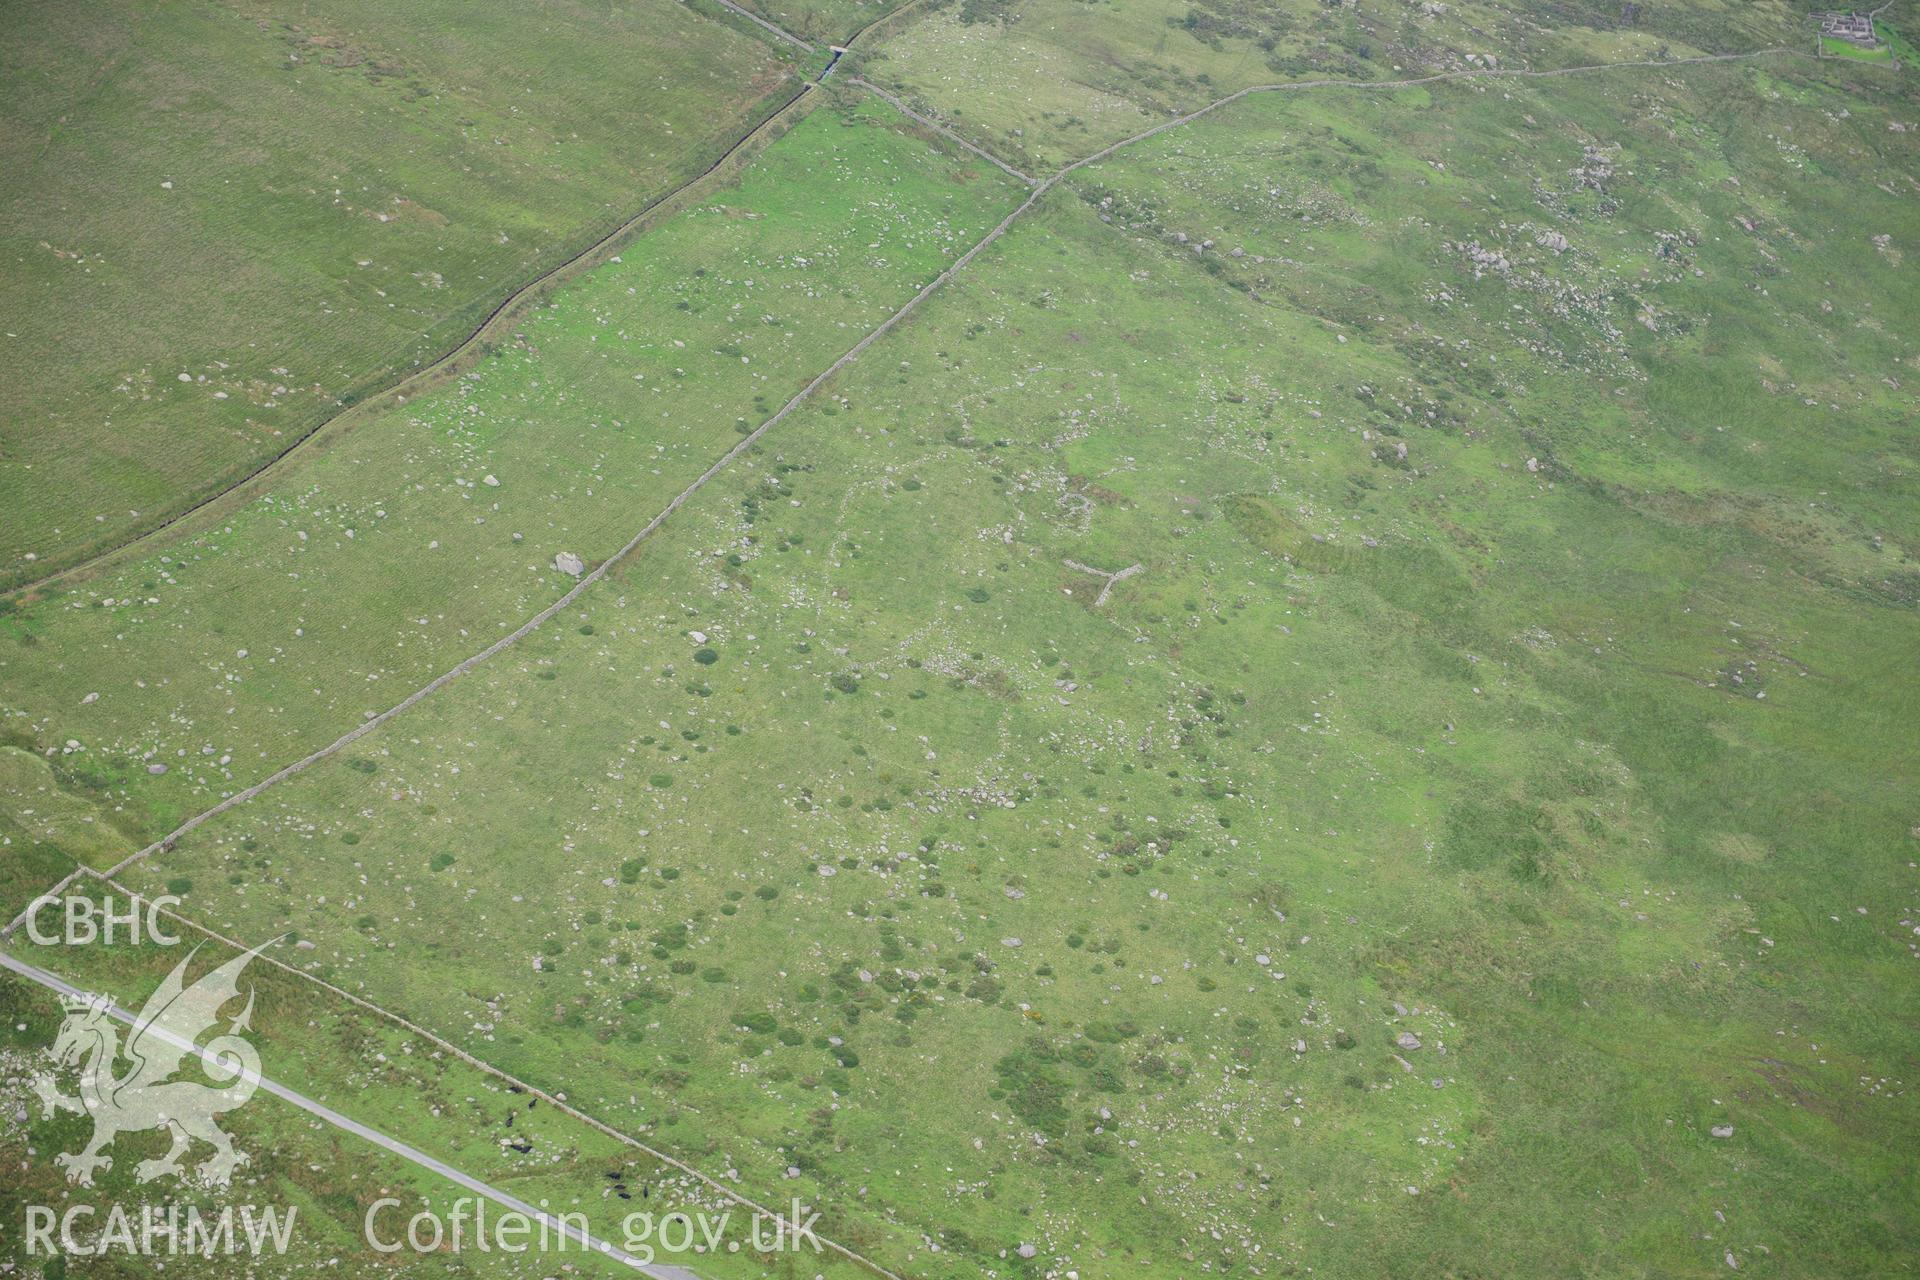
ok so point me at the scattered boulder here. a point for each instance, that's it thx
(570, 564)
(156, 769)
(1407, 1040)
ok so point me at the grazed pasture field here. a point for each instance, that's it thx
(1048, 81)
(226, 220)
(431, 529)
(848, 819)
(1479, 837)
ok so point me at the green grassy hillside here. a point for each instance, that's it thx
(1049, 81)
(432, 528)
(1426, 840)
(1336, 702)
(225, 221)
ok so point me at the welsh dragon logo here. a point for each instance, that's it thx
(143, 1096)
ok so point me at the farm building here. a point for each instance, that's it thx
(1854, 27)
